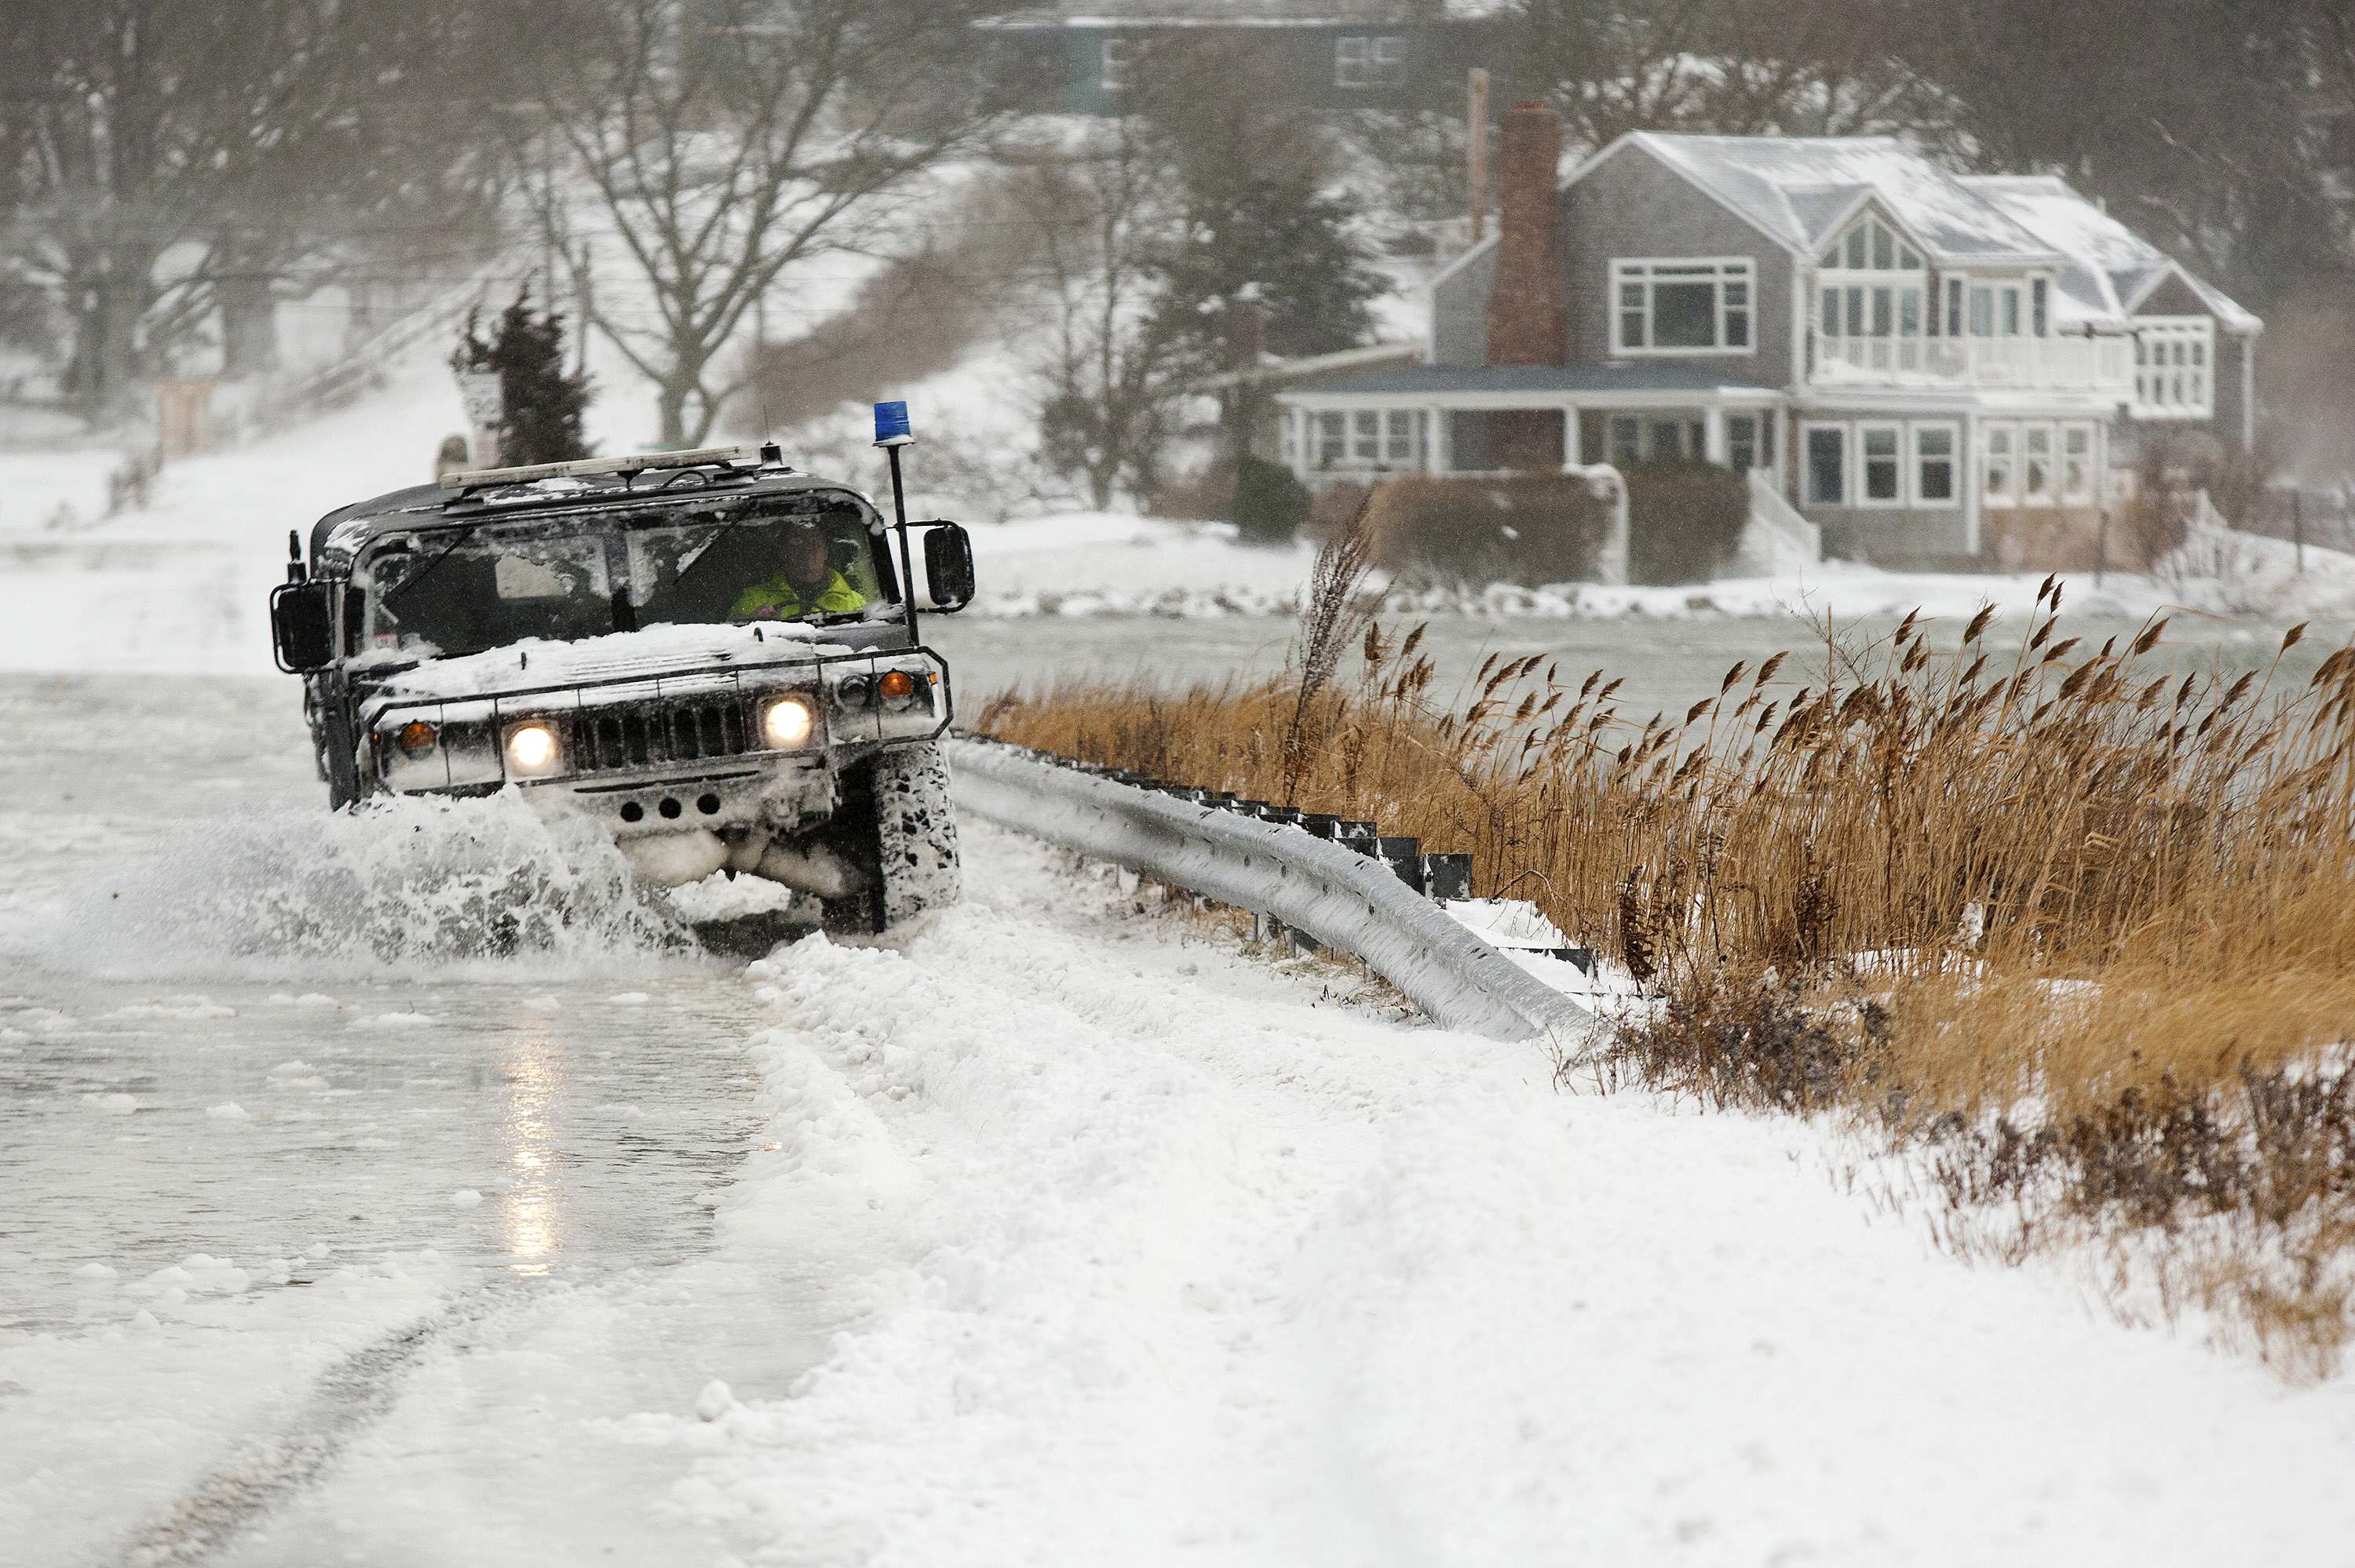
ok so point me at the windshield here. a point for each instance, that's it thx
(436, 595)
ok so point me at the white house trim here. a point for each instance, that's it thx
(1871, 200)
(2240, 325)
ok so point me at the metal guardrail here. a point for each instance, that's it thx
(1341, 898)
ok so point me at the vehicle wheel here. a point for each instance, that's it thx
(896, 825)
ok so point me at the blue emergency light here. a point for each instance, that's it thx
(892, 427)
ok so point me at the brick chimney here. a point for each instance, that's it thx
(1528, 308)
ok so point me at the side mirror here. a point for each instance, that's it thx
(948, 565)
(302, 623)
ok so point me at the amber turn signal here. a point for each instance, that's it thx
(897, 685)
(416, 737)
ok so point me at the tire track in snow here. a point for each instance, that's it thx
(351, 1397)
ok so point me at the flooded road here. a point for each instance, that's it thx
(232, 1173)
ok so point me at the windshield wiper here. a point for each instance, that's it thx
(710, 549)
(395, 596)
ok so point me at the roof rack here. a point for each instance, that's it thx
(624, 467)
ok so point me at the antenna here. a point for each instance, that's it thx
(893, 431)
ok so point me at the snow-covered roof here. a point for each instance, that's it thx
(1801, 189)
(2111, 268)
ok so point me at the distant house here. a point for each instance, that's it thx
(1338, 54)
(1915, 368)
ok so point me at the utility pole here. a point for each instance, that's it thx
(1476, 129)
(2298, 523)
(587, 302)
(548, 224)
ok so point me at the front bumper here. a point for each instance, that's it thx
(668, 753)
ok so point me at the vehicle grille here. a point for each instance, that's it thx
(640, 738)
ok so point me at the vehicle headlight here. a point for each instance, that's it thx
(788, 722)
(532, 748)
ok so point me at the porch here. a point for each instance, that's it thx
(1463, 419)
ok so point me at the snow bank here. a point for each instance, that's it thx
(1171, 1260)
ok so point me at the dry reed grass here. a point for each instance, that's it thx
(2075, 923)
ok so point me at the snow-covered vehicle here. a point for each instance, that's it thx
(713, 655)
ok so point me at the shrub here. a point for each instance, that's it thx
(1684, 520)
(1531, 529)
(1271, 505)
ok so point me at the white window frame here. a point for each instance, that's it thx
(2047, 495)
(1862, 462)
(1364, 61)
(2079, 488)
(1329, 440)
(1646, 272)
(1858, 250)
(1807, 461)
(2007, 494)
(1746, 429)
(1402, 439)
(2175, 367)
(1915, 461)
(1115, 61)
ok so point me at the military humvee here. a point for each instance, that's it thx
(711, 655)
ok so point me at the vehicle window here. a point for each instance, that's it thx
(793, 566)
(430, 596)
(433, 596)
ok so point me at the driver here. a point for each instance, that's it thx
(808, 584)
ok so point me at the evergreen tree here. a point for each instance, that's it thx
(1313, 274)
(540, 406)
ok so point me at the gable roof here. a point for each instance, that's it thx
(1799, 189)
(2111, 268)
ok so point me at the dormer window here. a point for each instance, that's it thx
(1873, 300)
(1870, 245)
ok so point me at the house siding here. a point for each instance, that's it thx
(2232, 422)
(1634, 206)
(1900, 538)
(1459, 312)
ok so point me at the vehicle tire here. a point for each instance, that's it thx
(896, 825)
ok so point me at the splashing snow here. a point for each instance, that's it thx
(401, 883)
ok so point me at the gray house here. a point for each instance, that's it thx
(1914, 366)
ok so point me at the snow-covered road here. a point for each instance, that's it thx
(1049, 1231)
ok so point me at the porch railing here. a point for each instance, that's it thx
(2105, 363)
(1776, 541)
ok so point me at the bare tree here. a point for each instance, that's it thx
(1722, 67)
(724, 145)
(167, 165)
(1108, 373)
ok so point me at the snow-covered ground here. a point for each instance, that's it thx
(1048, 1231)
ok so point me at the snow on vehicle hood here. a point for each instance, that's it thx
(657, 649)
